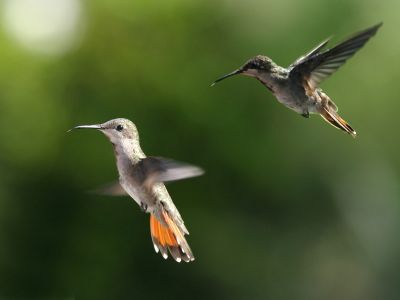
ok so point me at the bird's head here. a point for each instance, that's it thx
(117, 130)
(253, 67)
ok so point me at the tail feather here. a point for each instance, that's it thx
(169, 238)
(159, 244)
(335, 120)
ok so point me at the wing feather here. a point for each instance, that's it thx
(157, 169)
(317, 65)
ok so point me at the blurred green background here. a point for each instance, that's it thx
(289, 208)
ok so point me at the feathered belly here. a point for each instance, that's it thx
(132, 191)
(142, 195)
(290, 101)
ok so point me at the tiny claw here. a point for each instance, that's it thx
(143, 207)
(306, 115)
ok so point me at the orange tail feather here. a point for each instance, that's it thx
(169, 238)
(335, 120)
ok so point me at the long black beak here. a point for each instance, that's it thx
(236, 72)
(97, 126)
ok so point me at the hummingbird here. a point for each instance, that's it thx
(297, 86)
(142, 178)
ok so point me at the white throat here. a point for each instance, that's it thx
(128, 150)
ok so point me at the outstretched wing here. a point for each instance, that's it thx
(157, 169)
(151, 170)
(110, 189)
(310, 54)
(316, 66)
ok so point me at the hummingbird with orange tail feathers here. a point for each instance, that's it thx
(297, 86)
(142, 178)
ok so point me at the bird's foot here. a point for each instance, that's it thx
(306, 114)
(143, 207)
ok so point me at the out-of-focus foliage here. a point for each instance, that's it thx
(289, 208)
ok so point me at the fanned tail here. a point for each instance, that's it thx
(169, 238)
(335, 120)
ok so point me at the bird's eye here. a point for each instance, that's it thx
(119, 128)
(252, 65)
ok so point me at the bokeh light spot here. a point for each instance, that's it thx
(50, 27)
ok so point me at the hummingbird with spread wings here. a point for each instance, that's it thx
(143, 178)
(297, 87)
